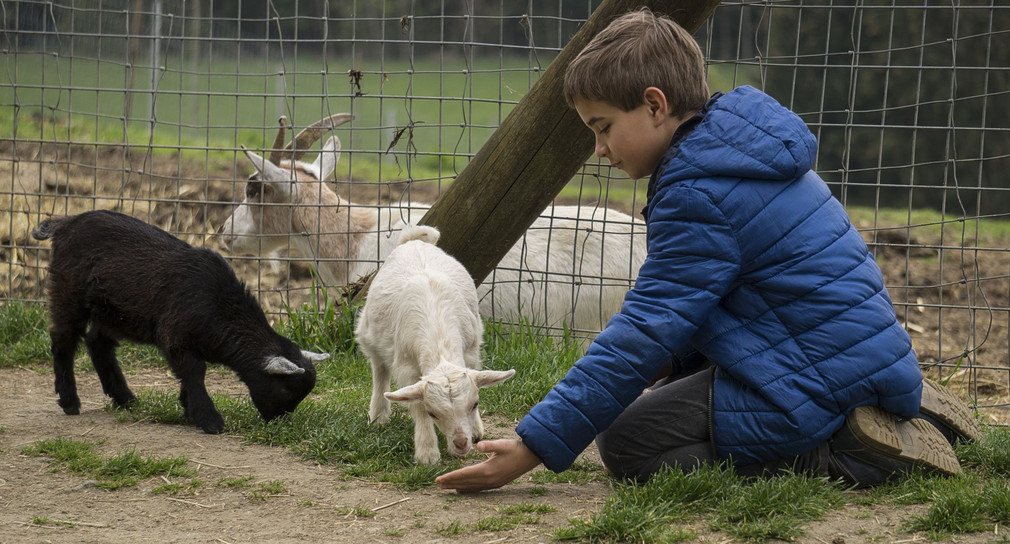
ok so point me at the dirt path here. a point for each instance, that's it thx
(318, 505)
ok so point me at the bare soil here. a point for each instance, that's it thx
(320, 504)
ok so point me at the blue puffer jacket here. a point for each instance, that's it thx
(753, 264)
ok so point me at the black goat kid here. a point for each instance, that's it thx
(136, 282)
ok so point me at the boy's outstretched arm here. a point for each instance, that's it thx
(509, 460)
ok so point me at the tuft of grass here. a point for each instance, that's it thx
(76, 456)
(265, 490)
(538, 491)
(453, 528)
(322, 324)
(363, 511)
(43, 521)
(991, 454)
(776, 508)
(957, 505)
(970, 502)
(156, 406)
(235, 483)
(580, 473)
(540, 362)
(528, 508)
(752, 510)
(512, 516)
(190, 487)
(127, 469)
(23, 336)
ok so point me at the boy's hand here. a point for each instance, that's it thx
(509, 460)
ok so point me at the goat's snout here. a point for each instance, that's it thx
(461, 443)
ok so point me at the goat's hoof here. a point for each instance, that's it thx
(212, 430)
(212, 425)
(124, 401)
(71, 407)
(426, 458)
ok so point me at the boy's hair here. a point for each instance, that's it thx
(634, 52)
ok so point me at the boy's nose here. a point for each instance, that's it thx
(601, 150)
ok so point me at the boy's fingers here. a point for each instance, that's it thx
(463, 478)
(491, 446)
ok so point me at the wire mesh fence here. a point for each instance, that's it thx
(143, 107)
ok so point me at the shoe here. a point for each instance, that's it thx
(948, 413)
(875, 438)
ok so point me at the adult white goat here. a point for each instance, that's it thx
(421, 326)
(573, 265)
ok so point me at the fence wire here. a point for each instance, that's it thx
(142, 107)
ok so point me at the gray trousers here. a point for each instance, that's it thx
(670, 425)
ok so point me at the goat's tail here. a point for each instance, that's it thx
(418, 232)
(47, 228)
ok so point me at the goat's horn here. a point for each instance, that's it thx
(311, 134)
(277, 150)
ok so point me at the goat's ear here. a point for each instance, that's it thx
(315, 357)
(407, 394)
(484, 378)
(267, 170)
(326, 162)
(282, 366)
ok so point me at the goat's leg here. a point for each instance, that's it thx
(425, 439)
(197, 404)
(378, 409)
(65, 334)
(102, 349)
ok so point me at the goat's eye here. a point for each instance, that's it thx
(474, 406)
(432, 416)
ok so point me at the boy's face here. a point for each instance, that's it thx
(633, 141)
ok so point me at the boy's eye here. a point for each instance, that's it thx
(606, 130)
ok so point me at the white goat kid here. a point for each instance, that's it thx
(573, 265)
(420, 325)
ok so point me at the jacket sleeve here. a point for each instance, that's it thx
(692, 262)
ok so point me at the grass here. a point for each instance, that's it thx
(930, 227)
(23, 334)
(331, 427)
(265, 490)
(205, 110)
(124, 470)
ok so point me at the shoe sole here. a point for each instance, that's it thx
(915, 441)
(875, 428)
(950, 411)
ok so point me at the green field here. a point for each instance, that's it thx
(223, 102)
(443, 109)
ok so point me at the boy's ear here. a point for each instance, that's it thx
(656, 100)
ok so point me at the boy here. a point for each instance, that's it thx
(786, 351)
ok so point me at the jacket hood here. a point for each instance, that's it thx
(747, 134)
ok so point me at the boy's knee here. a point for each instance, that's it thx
(613, 455)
